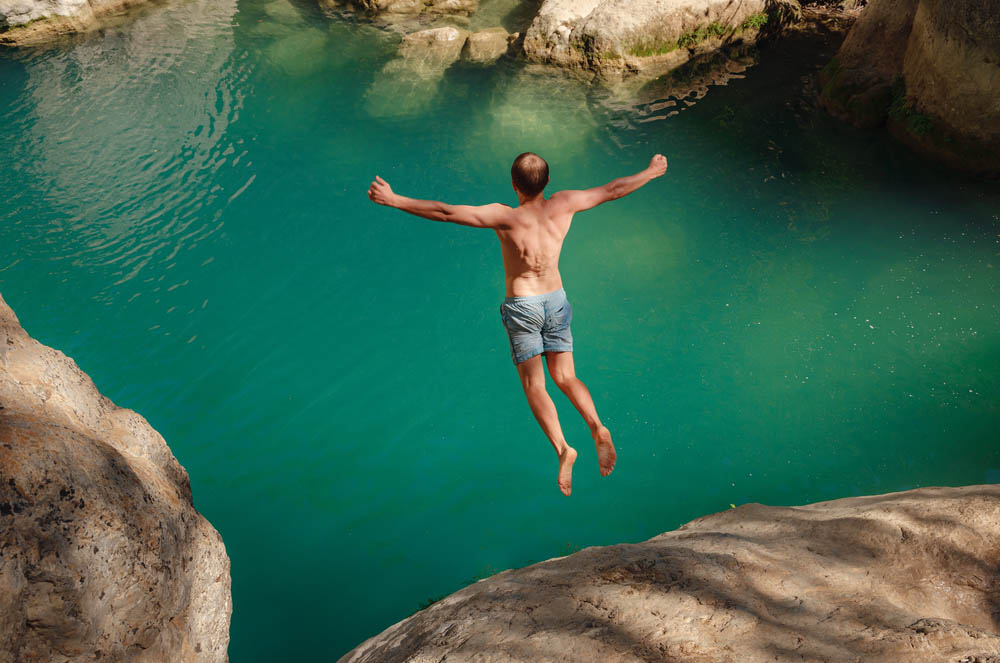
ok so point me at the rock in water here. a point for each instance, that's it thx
(392, 10)
(928, 68)
(410, 82)
(103, 554)
(486, 46)
(434, 48)
(903, 577)
(617, 38)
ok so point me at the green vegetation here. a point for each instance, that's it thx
(645, 49)
(755, 21)
(692, 38)
(698, 35)
(901, 110)
(429, 602)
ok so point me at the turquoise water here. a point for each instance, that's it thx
(797, 312)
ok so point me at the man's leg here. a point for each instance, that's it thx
(533, 380)
(563, 373)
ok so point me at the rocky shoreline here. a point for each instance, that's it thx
(903, 577)
(102, 553)
(928, 70)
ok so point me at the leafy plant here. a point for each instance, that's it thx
(755, 21)
(903, 111)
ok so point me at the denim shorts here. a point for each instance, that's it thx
(537, 324)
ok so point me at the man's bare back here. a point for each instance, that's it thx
(531, 238)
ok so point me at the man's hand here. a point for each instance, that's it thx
(380, 192)
(657, 165)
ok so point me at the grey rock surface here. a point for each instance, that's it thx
(486, 46)
(903, 577)
(103, 555)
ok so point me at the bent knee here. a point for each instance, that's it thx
(563, 380)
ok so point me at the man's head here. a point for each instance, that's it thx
(529, 174)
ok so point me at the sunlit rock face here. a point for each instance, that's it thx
(104, 556)
(930, 69)
(618, 38)
(903, 577)
(34, 21)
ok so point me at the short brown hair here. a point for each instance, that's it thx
(530, 173)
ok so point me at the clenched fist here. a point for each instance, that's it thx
(380, 192)
(658, 165)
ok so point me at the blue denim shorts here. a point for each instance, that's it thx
(537, 324)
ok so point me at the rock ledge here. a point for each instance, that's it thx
(102, 554)
(909, 576)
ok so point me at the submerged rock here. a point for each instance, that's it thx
(903, 577)
(486, 46)
(104, 556)
(410, 82)
(930, 69)
(617, 38)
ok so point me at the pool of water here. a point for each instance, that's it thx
(797, 312)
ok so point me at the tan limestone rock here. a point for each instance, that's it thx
(486, 46)
(649, 37)
(895, 578)
(103, 555)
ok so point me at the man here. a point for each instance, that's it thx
(536, 313)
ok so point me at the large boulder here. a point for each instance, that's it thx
(930, 69)
(894, 578)
(103, 555)
(620, 37)
(24, 22)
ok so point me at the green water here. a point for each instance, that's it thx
(797, 312)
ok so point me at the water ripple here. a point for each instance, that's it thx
(124, 136)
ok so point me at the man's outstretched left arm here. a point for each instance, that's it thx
(476, 216)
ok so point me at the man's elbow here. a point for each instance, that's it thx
(615, 191)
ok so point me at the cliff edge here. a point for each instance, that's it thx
(911, 576)
(102, 554)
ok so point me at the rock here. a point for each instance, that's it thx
(486, 46)
(410, 82)
(929, 69)
(436, 47)
(104, 556)
(24, 22)
(393, 10)
(623, 37)
(903, 577)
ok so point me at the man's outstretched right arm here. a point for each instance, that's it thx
(578, 201)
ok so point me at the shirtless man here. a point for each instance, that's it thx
(536, 313)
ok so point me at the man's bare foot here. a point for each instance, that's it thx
(606, 455)
(566, 460)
